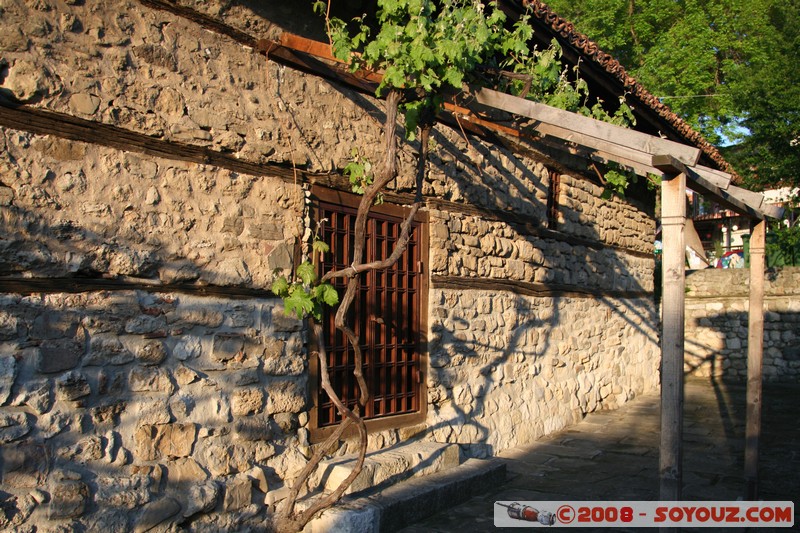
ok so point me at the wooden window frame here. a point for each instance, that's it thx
(330, 196)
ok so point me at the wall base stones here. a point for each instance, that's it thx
(96, 439)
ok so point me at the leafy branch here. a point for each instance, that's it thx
(303, 294)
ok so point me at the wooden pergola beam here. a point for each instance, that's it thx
(737, 199)
(588, 131)
(755, 355)
(673, 221)
(672, 338)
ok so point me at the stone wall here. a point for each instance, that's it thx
(717, 321)
(506, 369)
(125, 408)
(165, 398)
(508, 366)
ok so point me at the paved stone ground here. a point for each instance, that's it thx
(613, 455)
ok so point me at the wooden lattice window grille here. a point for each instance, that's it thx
(387, 315)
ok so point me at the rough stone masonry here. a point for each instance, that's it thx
(717, 324)
(144, 403)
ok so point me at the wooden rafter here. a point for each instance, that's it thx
(589, 132)
(584, 137)
(561, 130)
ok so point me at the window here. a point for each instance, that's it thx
(388, 315)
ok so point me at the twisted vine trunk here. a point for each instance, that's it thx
(289, 520)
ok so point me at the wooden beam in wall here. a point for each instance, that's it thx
(673, 220)
(77, 285)
(755, 356)
(300, 53)
(528, 288)
(44, 122)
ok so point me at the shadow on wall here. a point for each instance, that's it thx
(72, 209)
(174, 407)
(481, 343)
(717, 340)
(124, 407)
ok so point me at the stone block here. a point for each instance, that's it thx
(191, 316)
(259, 478)
(185, 375)
(185, 472)
(253, 428)
(227, 460)
(155, 513)
(126, 493)
(280, 259)
(289, 364)
(227, 347)
(165, 441)
(143, 411)
(25, 79)
(391, 465)
(181, 405)
(189, 347)
(178, 272)
(155, 55)
(247, 401)
(68, 499)
(8, 373)
(84, 104)
(146, 325)
(9, 326)
(107, 350)
(346, 520)
(200, 498)
(36, 394)
(85, 450)
(53, 423)
(57, 355)
(247, 376)
(150, 379)
(288, 422)
(228, 273)
(276, 495)
(151, 353)
(238, 493)
(266, 231)
(281, 322)
(233, 225)
(72, 386)
(53, 325)
(23, 467)
(285, 396)
(240, 315)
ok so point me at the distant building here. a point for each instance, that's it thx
(722, 231)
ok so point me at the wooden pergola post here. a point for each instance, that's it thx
(673, 220)
(755, 353)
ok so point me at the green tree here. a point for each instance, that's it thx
(728, 67)
(767, 91)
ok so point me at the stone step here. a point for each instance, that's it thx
(402, 504)
(389, 466)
